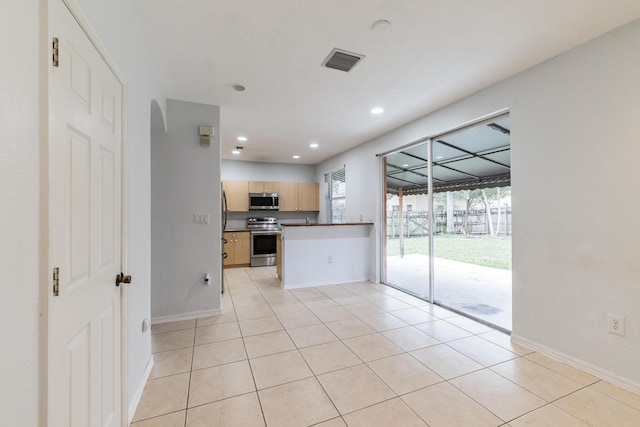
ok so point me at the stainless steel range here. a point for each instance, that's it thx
(265, 232)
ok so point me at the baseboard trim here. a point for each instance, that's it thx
(135, 400)
(185, 316)
(596, 371)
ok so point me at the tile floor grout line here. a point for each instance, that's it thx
(544, 406)
(314, 376)
(560, 373)
(158, 416)
(255, 385)
(253, 295)
(547, 403)
(397, 396)
(193, 351)
(478, 403)
(582, 387)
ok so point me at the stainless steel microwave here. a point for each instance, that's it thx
(264, 201)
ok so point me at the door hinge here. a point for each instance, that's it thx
(55, 52)
(56, 281)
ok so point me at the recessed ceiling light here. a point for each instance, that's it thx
(313, 145)
(405, 165)
(242, 138)
(236, 152)
(377, 110)
(380, 27)
(438, 157)
(296, 157)
(237, 87)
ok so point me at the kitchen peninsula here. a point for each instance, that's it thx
(322, 254)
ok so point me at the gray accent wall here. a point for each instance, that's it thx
(185, 180)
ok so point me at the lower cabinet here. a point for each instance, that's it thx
(238, 249)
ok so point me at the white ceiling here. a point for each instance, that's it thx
(436, 52)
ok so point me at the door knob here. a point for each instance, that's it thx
(121, 278)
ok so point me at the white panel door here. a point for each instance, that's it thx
(85, 142)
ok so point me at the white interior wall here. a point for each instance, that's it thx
(185, 180)
(314, 256)
(23, 190)
(19, 229)
(260, 171)
(574, 181)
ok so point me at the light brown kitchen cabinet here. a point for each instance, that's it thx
(299, 196)
(294, 196)
(263, 187)
(308, 196)
(237, 193)
(288, 196)
(238, 249)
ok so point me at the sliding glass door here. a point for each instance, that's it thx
(452, 194)
(407, 220)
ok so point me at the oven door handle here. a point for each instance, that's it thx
(274, 232)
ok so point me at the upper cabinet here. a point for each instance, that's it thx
(308, 196)
(299, 196)
(237, 193)
(288, 196)
(263, 187)
(294, 196)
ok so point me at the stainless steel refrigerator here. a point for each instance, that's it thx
(225, 212)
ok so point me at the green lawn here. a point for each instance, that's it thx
(480, 250)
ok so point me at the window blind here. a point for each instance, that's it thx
(337, 183)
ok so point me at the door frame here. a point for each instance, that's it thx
(382, 158)
(46, 52)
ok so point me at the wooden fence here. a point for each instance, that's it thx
(473, 222)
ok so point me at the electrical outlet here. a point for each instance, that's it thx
(330, 259)
(615, 324)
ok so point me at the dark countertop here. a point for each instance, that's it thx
(235, 230)
(326, 225)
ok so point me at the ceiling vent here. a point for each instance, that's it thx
(342, 60)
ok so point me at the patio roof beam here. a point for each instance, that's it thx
(442, 164)
(455, 170)
(438, 164)
(480, 156)
(415, 157)
(499, 128)
(403, 180)
(391, 174)
(487, 153)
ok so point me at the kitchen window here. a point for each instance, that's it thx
(336, 191)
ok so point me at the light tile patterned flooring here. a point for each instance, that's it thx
(358, 354)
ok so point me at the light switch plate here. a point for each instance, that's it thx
(201, 218)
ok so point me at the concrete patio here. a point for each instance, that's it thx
(482, 292)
